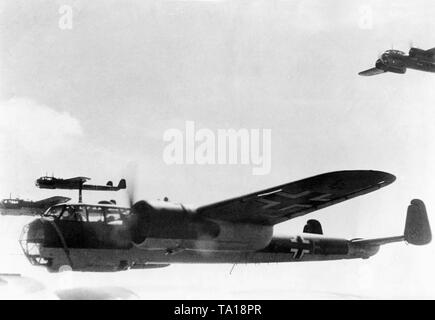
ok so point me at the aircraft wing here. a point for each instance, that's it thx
(291, 200)
(371, 72)
(78, 179)
(48, 202)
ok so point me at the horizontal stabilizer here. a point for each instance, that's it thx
(48, 202)
(417, 228)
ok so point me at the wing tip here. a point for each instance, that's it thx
(383, 178)
(387, 178)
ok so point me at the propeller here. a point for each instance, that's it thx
(131, 186)
(130, 193)
(136, 224)
(411, 44)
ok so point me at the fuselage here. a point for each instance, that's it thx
(280, 249)
(20, 207)
(110, 238)
(26, 207)
(397, 61)
(55, 183)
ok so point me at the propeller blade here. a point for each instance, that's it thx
(131, 187)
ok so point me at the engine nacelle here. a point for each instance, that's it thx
(390, 65)
(170, 227)
(168, 221)
(396, 69)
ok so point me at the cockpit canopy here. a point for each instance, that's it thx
(390, 56)
(88, 213)
(10, 201)
(392, 51)
(46, 178)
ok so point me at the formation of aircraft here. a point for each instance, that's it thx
(18, 206)
(155, 234)
(147, 234)
(397, 62)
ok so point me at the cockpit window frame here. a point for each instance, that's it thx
(105, 211)
(393, 51)
(102, 214)
(48, 214)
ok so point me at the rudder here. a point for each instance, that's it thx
(417, 228)
(122, 184)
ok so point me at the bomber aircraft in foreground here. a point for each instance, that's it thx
(397, 61)
(106, 237)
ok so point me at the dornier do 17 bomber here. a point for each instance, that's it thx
(47, 182)
(397, 62)
(77, 183)
(149, 234)
(17, 207)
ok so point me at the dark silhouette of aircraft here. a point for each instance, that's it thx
(397, 62)
(105, 237)
(18, 206)
(77, 183)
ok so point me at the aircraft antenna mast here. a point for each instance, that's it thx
(80, 191)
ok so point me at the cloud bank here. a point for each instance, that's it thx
(33, 127)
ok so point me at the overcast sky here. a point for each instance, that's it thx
(91, 99)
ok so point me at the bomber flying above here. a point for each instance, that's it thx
(77, 183)
(47, 182)
(106, 237)
(397, 62)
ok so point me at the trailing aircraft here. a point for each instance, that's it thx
(18, 206)
(77, 183)
(397, 62)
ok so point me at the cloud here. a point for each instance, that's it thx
(36, 139)
(33, 138)
(28, 126)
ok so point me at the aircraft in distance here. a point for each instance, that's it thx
(397, 61)
(104, 237)
(78, 183)
(18, 206)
